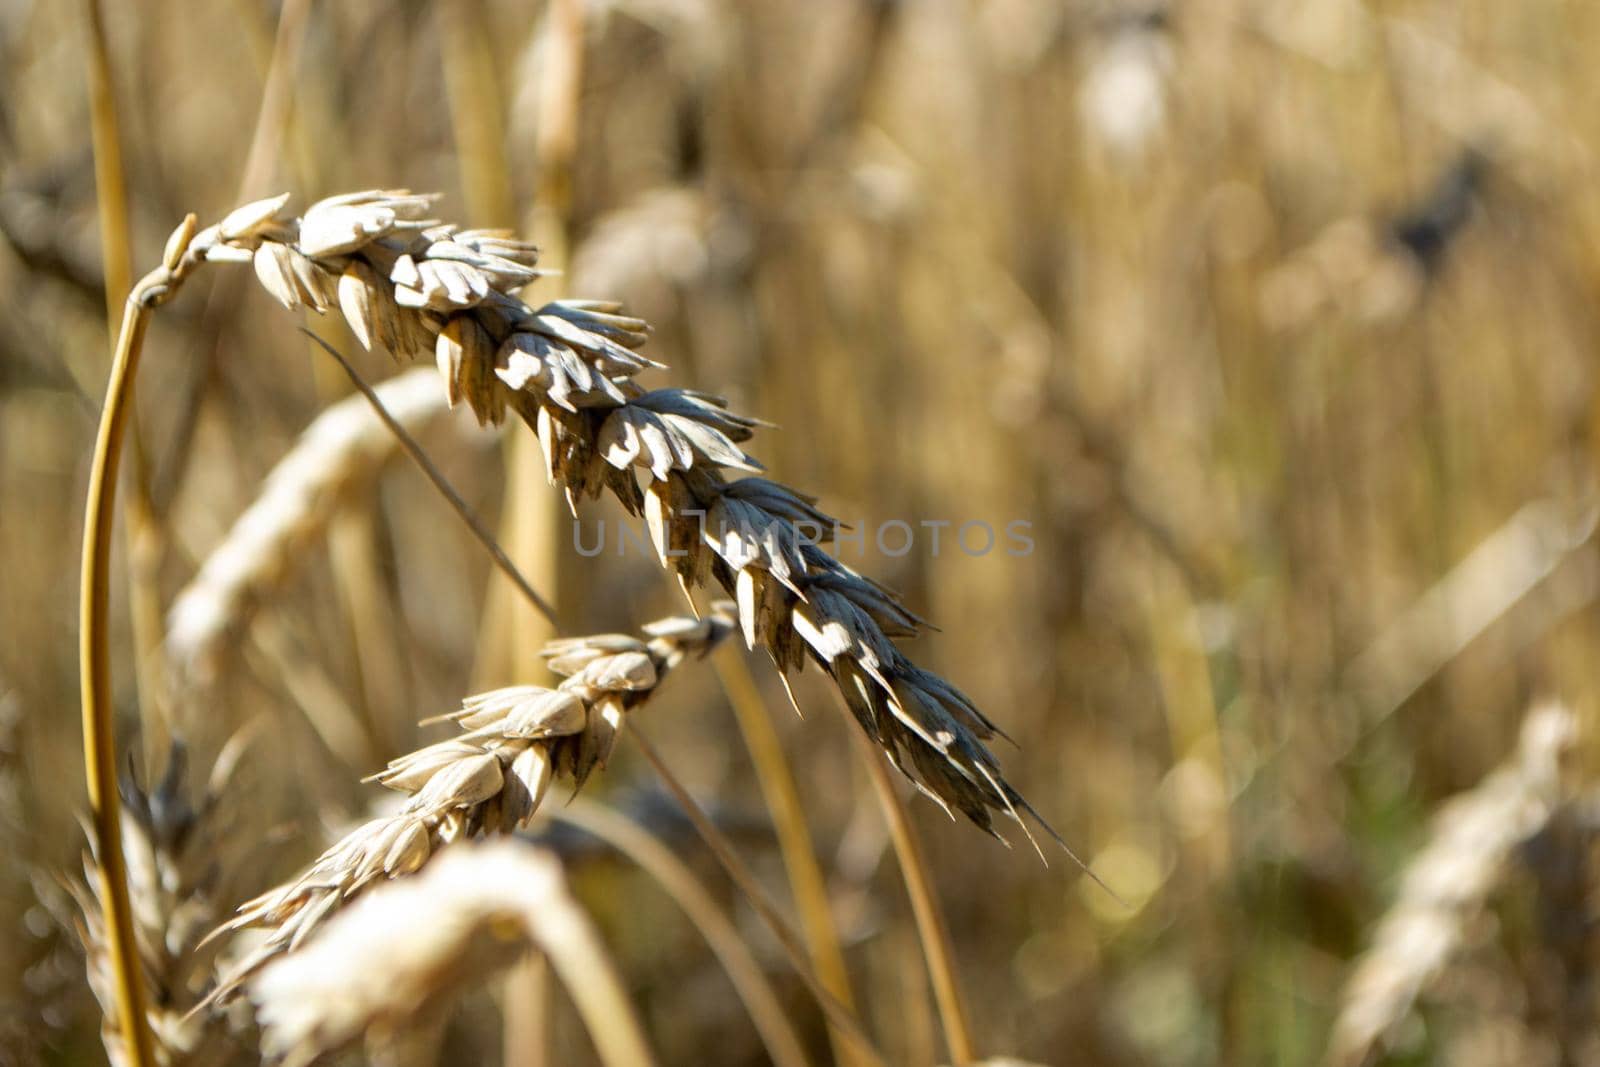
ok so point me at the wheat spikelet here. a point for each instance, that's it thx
(344, 444)
(417, 287)
(489, 780)
(1449, 881)
(407, 946)
(179, 870)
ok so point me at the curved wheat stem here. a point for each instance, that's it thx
(94, 655)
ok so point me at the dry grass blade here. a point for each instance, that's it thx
(407, 946)
(1447, 883)
(1478, 591)
(345, 444)
(932, 931)
(491, 779)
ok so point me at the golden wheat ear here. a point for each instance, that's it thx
(567, 368)
(489, 780)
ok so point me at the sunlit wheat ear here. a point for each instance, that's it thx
(1448, 882)
(490, 779)
(408, 947)
(179, 867)
(420, 288)
(345, 444)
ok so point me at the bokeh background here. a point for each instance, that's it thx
(1276, 321)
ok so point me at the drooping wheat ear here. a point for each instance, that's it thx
(489, 780)
(1447, 883)
(407, 947)
(178, 870)
(342, 446)
(416, 287)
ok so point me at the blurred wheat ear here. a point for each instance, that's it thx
(181, 870)
(345, 444)
(1448, 882)
(407, 946)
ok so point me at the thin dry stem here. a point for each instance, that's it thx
(806, 880)
(837, 1014)
(142, 534)
(932, 930)
(412, 449)
(638, 844)
(94, 659)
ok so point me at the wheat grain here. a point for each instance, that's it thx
(406, 947)
(491, 779)
(1447, 883)
(342, 446)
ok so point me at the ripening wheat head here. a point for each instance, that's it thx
(413, 286)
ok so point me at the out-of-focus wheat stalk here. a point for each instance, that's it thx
(343, 446)
(406, 946)
(674, 876)
(490, 780)
(143, 535)
(932, 930)
(840, 1018)
(1493, 578)
(1447, 883)
(805, 876)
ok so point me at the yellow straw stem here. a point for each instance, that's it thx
(94, 658)
(794, 837)
(931, 926)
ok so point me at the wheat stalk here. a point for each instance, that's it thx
(408, 945)
(489, 780)
(341, 447)
(1447, 883)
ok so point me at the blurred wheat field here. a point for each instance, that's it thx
(1271, 323)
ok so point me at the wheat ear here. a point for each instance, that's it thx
(491, 779)
(341, 447)
(406, 946)
(174, 848)
(417, 287)
(1447, 883)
